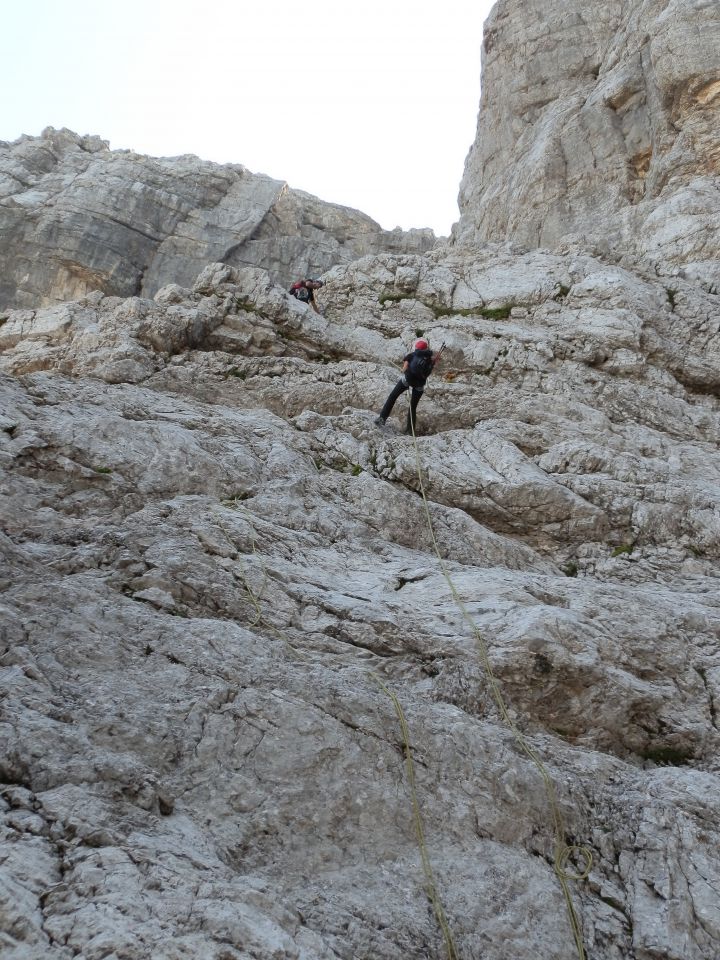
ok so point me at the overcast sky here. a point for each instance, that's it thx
(372, 105)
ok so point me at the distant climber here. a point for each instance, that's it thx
(304, 290)
(417, 367)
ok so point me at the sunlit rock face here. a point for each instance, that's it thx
(600, 121)
(77, 217)
(209, 549)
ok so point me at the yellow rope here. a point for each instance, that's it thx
(563, 852)
(431, 886)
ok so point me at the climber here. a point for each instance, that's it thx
(417, 367)
(304, 290)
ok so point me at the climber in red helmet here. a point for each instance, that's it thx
(417, 367)
(304, 290)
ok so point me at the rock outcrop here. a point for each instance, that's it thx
(599, 120)
(221, 596)
(210, 552)
(77, 217)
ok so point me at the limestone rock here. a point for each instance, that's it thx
(599, 121)
(209, 552)
(215, 566)
(76, 217)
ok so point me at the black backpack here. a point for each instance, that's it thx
(419, 368)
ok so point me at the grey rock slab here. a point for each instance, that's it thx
(208, 555)
(598, 127)
(78, 217)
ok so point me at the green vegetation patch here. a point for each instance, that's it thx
(497, 313)
(247, 305)
(393, 298)
(490, 313)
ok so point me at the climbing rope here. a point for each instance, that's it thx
(431, 887)
(563, 852)
(260, 618)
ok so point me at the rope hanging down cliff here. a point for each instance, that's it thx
(430, 884)
(563, 852)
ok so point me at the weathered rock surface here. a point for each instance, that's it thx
(599, 120)
(77, 217)
(208, 547)
(210, 555)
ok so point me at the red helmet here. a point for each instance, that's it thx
(421, 344)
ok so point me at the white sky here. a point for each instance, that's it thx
(372, 105)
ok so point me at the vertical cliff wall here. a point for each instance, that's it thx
(215, 565)
(599, 119)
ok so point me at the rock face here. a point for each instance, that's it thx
(77, 217)
(600, 119)
(220, 589)
(209, 552)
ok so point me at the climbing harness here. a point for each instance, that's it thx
(563, 851)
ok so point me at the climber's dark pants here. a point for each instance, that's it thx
(400, 387)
